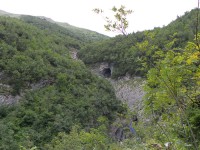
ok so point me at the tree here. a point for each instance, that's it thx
(120, 23)
(172, 90)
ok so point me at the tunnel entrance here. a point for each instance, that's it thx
(107, 72)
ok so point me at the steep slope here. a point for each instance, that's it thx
(137, 52)
(65, 29)
(91, 35)
(55, 92)
(83, 35)
(4, 13)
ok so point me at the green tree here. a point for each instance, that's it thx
(120, 22)
(172, 89)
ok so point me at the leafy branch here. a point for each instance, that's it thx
(119, 23)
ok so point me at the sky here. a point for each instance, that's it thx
(146, 15)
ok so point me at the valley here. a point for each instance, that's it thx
(63, 87)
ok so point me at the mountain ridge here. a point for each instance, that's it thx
(74, 30)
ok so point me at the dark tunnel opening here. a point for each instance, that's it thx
(107, 72)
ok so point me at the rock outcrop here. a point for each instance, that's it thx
(5, 95)
(106, 69)
(129, 90)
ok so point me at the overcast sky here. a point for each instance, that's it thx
(147, 13)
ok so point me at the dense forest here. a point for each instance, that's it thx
(133, 53)
(62, 105)
(169, 59)
(58, 92)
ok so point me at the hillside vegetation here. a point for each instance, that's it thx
(63, 105)
(62, 29)
(56, 91)
(136, 53)
(169, 59)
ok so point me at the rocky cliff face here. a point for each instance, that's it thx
(6, 90)
(129, 90)
(5, 95)
(8, 99)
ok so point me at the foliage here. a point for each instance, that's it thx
(120, 23)
(64, 106)
(93, 139)
(137, 52)
(76, 140)
(57, 91)
(172, 89)
(76, 36)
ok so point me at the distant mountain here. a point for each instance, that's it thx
(65, 29)
(4, 13)
(42, 22)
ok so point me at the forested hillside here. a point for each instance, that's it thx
(58, 103)
(56, 91)
(169, 59)
(59, 28)
(63, 29)
(136, 53)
